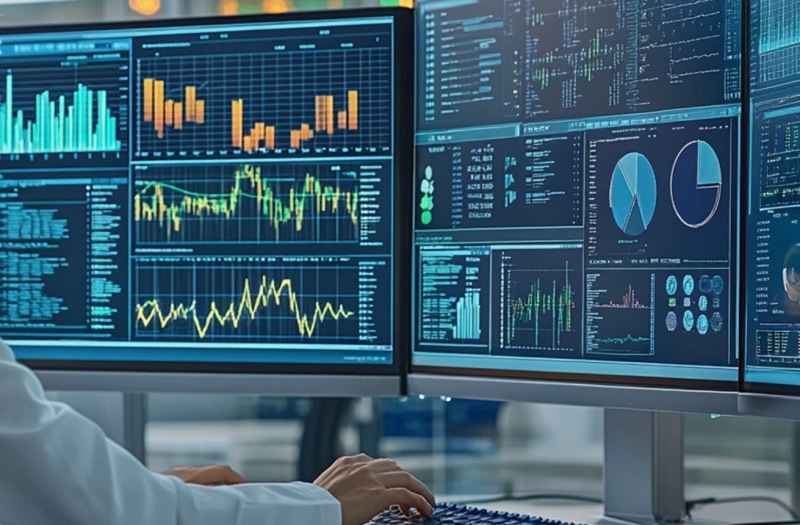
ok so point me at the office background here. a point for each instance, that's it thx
(463, 449)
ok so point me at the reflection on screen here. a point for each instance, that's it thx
(773, 235)
(218, 193)
(577, 181)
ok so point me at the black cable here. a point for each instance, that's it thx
(528, 497)
(691, 504)
(794, 522)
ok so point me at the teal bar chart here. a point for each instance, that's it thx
(80, 121)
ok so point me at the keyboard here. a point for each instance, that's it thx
(455, 514)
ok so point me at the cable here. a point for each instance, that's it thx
(528, 497)
(691, 504)
(794, 522)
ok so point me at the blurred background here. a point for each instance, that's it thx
(465, 450)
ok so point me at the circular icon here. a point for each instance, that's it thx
(632, 195)
(705, 284)
(716, 303)
(672, 321)
(688, 285)
(688, 320)
(672, 285)
(696, 184)
(703, 303)
(702, 325)
(716, 322)
(718, 285)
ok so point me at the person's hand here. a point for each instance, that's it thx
(366, 487)
(207, 475)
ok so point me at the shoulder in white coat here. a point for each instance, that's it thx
(58, 468)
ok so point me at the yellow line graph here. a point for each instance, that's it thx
(150, 203)
(151, 311)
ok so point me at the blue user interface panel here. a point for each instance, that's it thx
(773, 207)
(577, 188)
(209, 194)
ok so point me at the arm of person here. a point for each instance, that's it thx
(58, 467)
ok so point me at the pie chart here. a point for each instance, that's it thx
(633, 194)
(696, 184)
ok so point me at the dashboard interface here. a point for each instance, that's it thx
(773, 207)
(209, 194)
(577, 187)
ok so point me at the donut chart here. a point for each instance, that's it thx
(696, 184)
(632, 195)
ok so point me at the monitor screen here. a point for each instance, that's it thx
(577, 190)
(773, 205)
(215, 194)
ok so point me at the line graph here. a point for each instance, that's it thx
(247, 203)
(234, 300)
(332, 101)
(629, 301)
(620, 318)
(541, 302)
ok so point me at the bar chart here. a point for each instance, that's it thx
(80, 122)
(265, 104)
(53, 109)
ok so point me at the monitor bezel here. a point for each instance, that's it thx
(53, 371)
(537, 386)
(757, 398)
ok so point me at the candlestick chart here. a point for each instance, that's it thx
(600, 57)
(542, 296)
(246, 203)
(241, 301)
(265, 104)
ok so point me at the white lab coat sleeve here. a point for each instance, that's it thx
(58, 468)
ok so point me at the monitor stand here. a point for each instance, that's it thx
(643, 468)
(121, 416)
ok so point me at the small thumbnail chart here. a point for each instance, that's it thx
(247, 301)
(620, 313)
(266, 104)
(257, 203)
(541, 299)
(454, 297)
(632, 194)
(696, 184)
(776, 151)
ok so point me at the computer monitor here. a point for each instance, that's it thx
(209, 204)
(772, 328)
(577, 200)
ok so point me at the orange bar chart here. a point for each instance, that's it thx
(191, 103)
(352, 109)
(237, 109)
(168, 112)
(148, 100)
(178, 115)
(158, 107)
(329, 114)
(200, 112)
